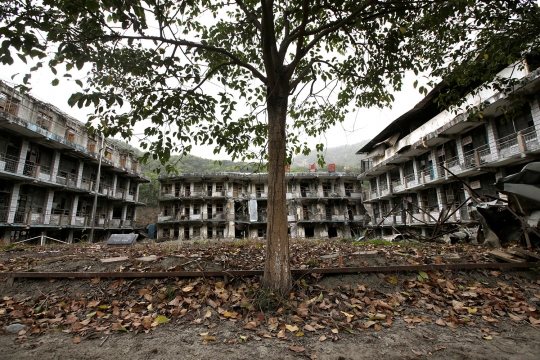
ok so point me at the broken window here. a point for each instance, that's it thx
(44, 121)
(9, 103)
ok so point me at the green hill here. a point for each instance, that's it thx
(342, 156)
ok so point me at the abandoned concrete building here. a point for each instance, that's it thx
(234, 205)
(409, 165)
(48, 173)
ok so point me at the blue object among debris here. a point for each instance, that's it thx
(152, 231)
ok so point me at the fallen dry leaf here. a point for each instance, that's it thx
(291, 328)
(297, 349)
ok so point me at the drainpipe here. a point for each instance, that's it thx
(91, 238)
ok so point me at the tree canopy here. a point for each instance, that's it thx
(248, 77)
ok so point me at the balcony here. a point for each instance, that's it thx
(385, 190)
(425, 175)
(119, 193)
(521, 141)
(66, 179)
(260, 194)
(410, 180)
(9, 163)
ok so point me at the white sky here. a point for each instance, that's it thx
(362, 125)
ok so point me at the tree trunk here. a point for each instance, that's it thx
(277, 271)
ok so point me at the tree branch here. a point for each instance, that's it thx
(191, 44)
(249, 15)
(302, 75)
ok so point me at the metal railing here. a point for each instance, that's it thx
(9, 163)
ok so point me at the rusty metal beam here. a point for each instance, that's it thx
(190, 274)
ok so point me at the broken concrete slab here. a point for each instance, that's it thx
(114, 259)
(122, 239)
(148, 258)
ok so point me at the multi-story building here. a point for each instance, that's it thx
(409, 165)
(234, 205)
(48, 173)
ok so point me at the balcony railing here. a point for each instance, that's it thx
(9, 163)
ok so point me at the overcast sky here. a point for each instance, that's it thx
(362, 125)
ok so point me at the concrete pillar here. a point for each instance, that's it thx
(441, 198)
(134, 215)
(459, 147)
(70, 237)
(22, 156)
(124, 213)
(73, 210)
(48, 206)
(434, 161)
(535, 112)
(80, 169)
(492, 137)
(55, 165)
(378, 181)
(114, 182)
(389, 181)
(416, 170)
(13, 202)
(126, 190)
(421, 215)
(136, 196)
(6, 238)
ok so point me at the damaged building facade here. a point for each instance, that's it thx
(48, 173)
(234, 205)
(409, 165)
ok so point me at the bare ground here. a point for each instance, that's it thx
(415, 332)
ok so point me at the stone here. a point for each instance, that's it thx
(421, 302)
(331, 256)
(534, 300)
(114, 259)
(148, 258)
(14, 328)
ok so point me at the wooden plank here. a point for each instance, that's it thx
(525, 253)
(501, 255)
(114, 259)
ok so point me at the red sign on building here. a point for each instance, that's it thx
(331, 168)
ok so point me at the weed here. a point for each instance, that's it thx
(312, 262)
(266, 300)
(170, 293)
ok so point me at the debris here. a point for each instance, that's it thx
(500, 255)
(122, 239)
(114, 259)
(525, 253)
(14, 328)
(148, 258)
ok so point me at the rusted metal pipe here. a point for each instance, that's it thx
(190, 274)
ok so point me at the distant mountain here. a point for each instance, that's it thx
(343, 155)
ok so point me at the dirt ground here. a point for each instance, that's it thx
(452, 315)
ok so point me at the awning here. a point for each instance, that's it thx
(391, 141)
(378, 151)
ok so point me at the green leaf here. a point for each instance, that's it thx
(55, 82)
(423, 274)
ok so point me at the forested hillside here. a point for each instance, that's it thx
(343, 155)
